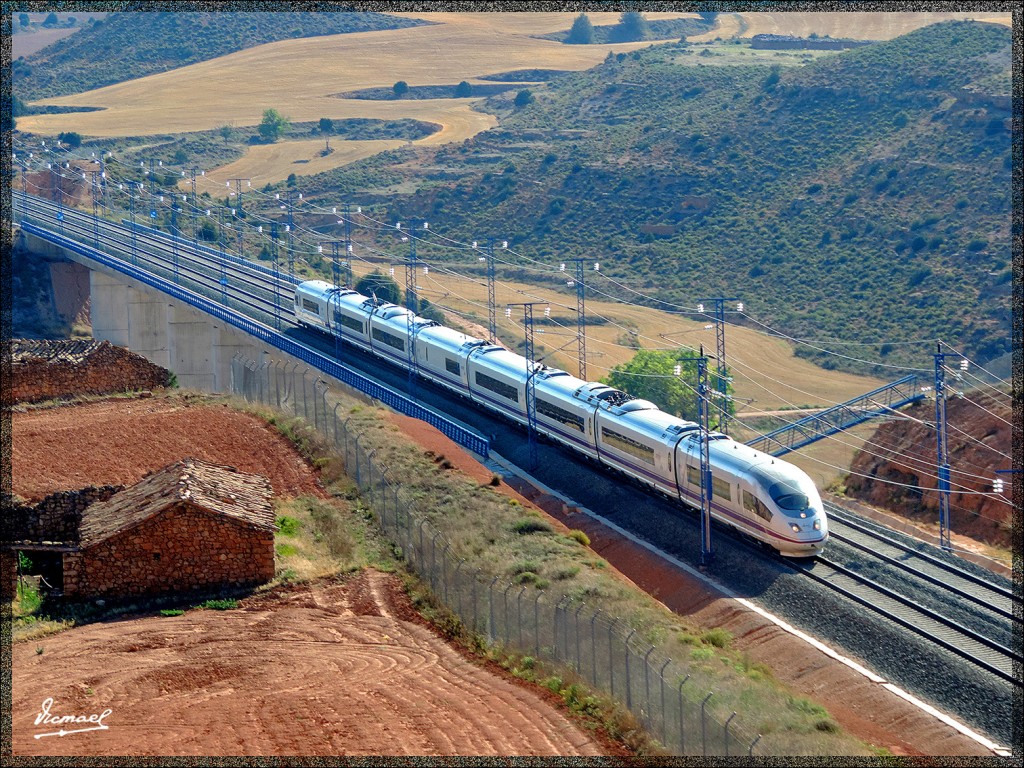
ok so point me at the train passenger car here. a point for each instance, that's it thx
(497, 380)
(641, 440)
(390, 325)
(441, 354)
(566, 417)
(312, 300)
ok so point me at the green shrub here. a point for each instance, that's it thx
(288, 526)
(171, 611)
(580, 536)
(220, 605)
(531, 525)
(717, 637)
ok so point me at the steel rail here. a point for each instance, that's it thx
(915, 618)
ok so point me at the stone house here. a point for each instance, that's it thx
(188, 527)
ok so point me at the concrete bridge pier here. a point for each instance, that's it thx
(196, 347)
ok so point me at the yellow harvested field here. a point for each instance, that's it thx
(302, 78)
(856, 25)
(271, 163)
(765, 370)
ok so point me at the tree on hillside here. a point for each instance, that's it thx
(523, 98)
(72, 139)
(380, 285)
(582, 32)
(400, 88)
(650, 375)
(326, 125)
(463, 89)
(632, 26)
(23, 19)
(708, 17)
(273, 125)
(51, 20)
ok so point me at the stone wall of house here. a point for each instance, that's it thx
(181, 549)
(44, 370)
(56, 518)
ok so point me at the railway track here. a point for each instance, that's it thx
(945, 604)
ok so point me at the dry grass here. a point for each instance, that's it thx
(271, 163)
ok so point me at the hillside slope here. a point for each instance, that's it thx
(896, 470)
(864, 196)
(128, 45)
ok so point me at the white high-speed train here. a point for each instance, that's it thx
(762, 496)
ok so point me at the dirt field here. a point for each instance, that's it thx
(332, 669)
(175, 684)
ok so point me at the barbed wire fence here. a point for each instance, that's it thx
(597, 647)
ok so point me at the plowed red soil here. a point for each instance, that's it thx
(116, 442)
(330, 669)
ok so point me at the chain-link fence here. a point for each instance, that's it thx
(599, 648)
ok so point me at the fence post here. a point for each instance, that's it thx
(576, 626)
(664, 714)
(277, 384)
(536, 624)
(750, 751)
(384, 500)
(703, 733)
(593, 648)
(455, 577)
(519, 615)
(682, 739)
(369, 472)
(336, 407)
(355, 456)
(629, 684)
(490, 609)
(305, 398)
(647, 683)
(727, 733)
(476, 623)
(433, 559)
(504, 597)
(444, 573)
(611, 659)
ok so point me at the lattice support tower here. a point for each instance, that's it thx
(531, 384)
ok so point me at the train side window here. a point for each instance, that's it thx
(311, 306)
(753, 504)
(721, 488)
(452, 367)
(692, 475)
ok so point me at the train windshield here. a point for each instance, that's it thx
(788, 497)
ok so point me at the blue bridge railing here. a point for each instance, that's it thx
(456, 432)
(877, 402)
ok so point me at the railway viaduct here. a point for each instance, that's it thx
(196, 346)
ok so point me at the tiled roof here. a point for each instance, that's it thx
(71, 351)
(214, 487)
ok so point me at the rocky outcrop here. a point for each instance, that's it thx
(896, 469)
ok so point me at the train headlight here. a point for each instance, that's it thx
(795, 527)
(817, 525)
